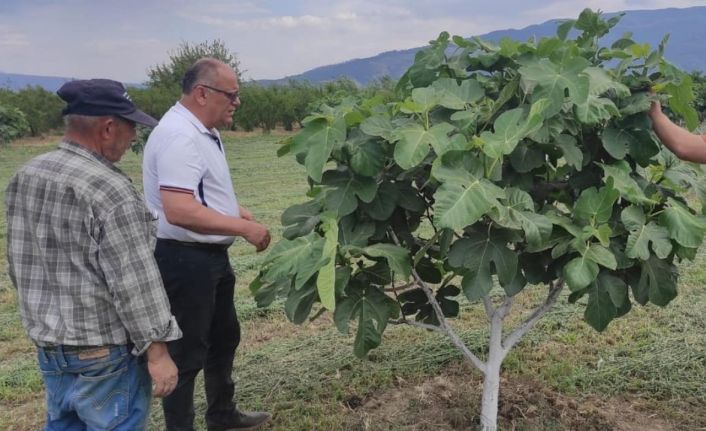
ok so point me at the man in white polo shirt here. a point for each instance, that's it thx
(187, 181)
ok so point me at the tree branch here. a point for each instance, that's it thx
(422, 251)
(489, 309)
(397, 298)
(497, 352)
(532, 319)
(505, 307)
(447, 280)
(402, 288)
(443, 324)
(430, 216)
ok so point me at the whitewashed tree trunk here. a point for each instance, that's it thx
(498, 348)
(496, 354)
(490, 399)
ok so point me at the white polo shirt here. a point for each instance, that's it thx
(183, 156)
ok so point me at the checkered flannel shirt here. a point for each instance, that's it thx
(80, 249)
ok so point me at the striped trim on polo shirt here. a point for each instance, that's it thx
(187, 191)
(176, 189)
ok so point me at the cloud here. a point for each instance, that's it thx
(276, 45)
(10, 38)
(120, 44)
(291, 51)
(291, 22)
(285, 22)
(368, 9)
(274, 39)
(241, 8)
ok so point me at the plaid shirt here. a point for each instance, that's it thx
(80, 248)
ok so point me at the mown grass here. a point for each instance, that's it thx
(308, 377)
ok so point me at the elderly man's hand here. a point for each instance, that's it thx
(162, 369)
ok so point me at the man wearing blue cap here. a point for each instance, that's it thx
(80, 243)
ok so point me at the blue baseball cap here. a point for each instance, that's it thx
(98, 97)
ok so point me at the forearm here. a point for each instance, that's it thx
(183, 210)
(156, 351)
(204, 220)
(684, 144)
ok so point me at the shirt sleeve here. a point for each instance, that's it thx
(14, 226)
(180, 166)
(126, 258)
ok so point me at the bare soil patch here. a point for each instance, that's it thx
(451, 401)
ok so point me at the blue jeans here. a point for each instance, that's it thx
(101, 389)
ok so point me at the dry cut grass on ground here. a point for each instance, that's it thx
(647, 371)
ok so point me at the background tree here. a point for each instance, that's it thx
(13, 124)
(263, 107)
(172, 72)
(260, 107)
(163, 86)
(332, 93)
(297, 96)
(155, 101)
(41, 108)
(383, 88)
(497, 168)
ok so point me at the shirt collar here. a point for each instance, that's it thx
(184, 112)
(85, 152)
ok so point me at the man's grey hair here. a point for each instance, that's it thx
(81, 123)
(204, 71)
(85, 123)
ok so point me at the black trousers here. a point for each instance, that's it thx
(200, 283)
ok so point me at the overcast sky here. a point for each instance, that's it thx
(121, 39)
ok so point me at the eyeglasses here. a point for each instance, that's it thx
(231, 95)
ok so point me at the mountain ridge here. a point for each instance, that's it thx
(648, 26)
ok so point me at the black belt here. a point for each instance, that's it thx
(202, 245)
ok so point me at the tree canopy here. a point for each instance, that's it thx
(171, 73)
(521, 163)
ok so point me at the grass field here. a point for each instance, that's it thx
(647, 371)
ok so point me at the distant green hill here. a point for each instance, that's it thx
(686, 48)
(16, 81)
